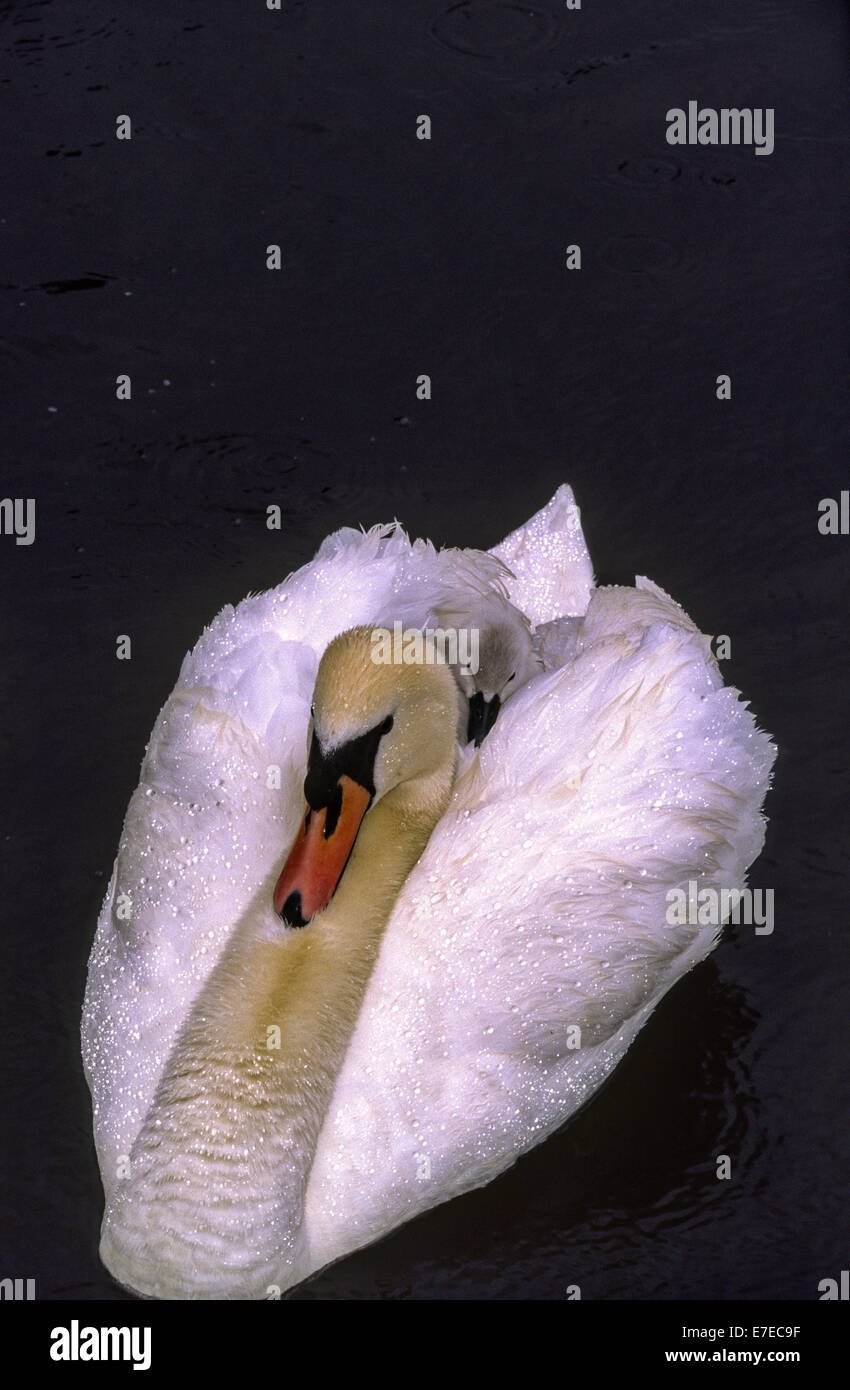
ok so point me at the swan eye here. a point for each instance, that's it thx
(511, 677)
(312, 711)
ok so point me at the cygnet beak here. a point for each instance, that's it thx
(482, 716)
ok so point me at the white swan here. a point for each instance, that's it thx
(417, 1060)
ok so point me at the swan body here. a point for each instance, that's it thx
(434, 1041)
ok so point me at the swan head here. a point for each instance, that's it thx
(506, 660)
(377, 732)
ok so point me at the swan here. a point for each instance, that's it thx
(268, 1097)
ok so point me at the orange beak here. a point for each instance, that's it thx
(318, 858)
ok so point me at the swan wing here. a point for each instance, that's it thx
(550, 574)
(532, 941)
(218, 802)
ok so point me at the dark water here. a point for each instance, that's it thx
(404, 257)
